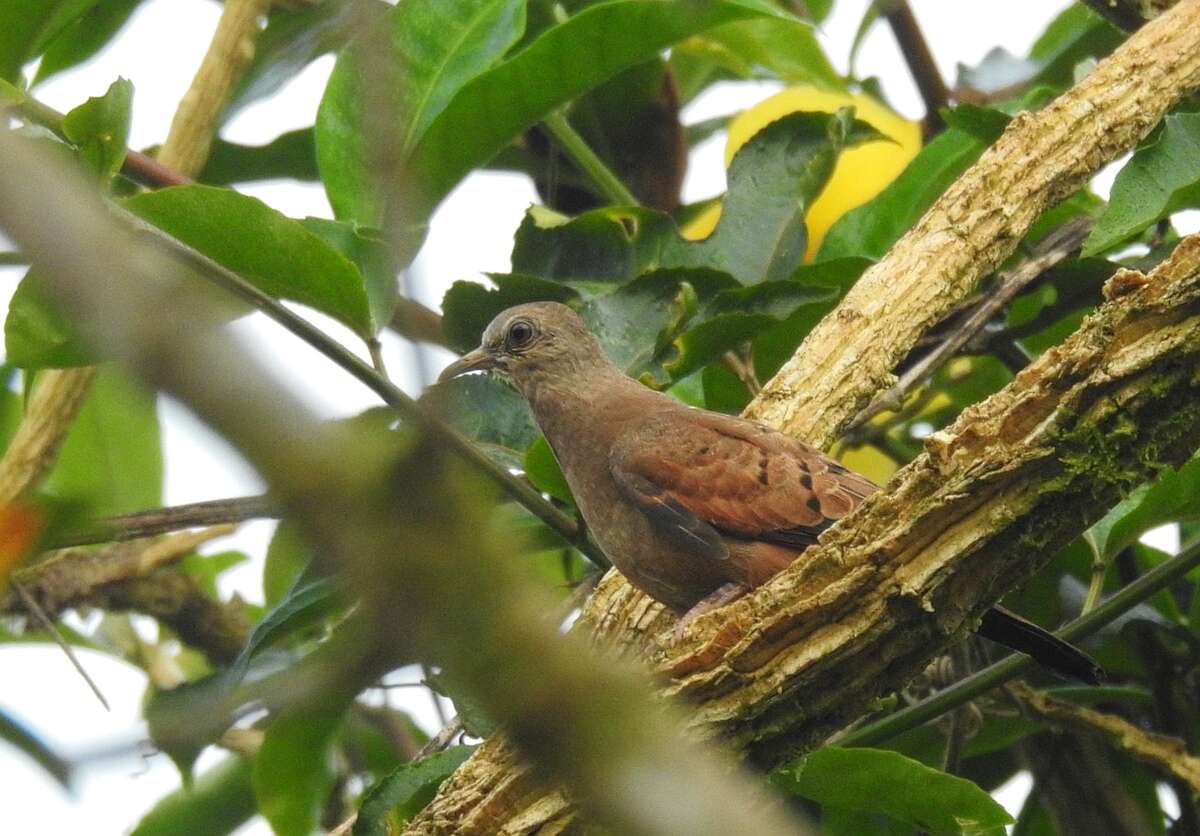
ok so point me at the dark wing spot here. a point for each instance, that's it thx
(806, 480)
(814, 503)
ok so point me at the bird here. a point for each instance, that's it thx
(695, 508)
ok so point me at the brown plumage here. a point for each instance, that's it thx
(692, 507)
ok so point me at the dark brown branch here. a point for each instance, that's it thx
(164, 520)
(920, 62)
(1129, 15)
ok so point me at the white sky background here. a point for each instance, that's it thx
(472, 233)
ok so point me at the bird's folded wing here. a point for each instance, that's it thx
(707, 474)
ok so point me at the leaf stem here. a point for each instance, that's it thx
(1012, 666)
(588, 162)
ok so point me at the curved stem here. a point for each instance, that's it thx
(589, 163)
(1012, 666)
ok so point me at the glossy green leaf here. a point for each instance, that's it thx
(1173, 497)
(275, 253)
(112, 461)
(294, 771)
(872, 228)
(1162, 177)
(219, 802)
(84, 36)
(388, 805)
(423, 52)
(761, 234)
(543, 470)
(99, 128)
(1075, 35)
(876, 780)
(489, 412)
(290, 155)
(25, 740)
(468, 307)
(774, 47)
(26, 26)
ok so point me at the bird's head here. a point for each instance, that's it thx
(531, 344)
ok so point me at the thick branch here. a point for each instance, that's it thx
(164, 520)
(1041, 158)
(906, 575)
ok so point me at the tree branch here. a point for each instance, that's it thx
(1166, 754)
(1057, 247)
(919, 58)
(1041, 158)
(164, 520)
(135, 576)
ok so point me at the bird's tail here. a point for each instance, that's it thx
(1048, 650)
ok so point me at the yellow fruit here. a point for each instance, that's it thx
(861, 172)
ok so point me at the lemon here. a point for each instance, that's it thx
(861, 172)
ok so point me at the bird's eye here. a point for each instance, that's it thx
(520, 333)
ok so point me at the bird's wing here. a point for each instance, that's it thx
(704, 474)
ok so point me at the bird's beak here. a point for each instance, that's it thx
(472, 361)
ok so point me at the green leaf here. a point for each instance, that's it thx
(288, 556)
(543, 470)
(36, 335)
(219, 802)
(372, 255)
(397, 798)
(293, 771)
(773, 47)
(295, 38)
(1173, 497)
(16, 734)
(558, 66)
(112, 458)
(1162, 177)
(206, 569)
(738, 315)
(275, 253)
(1075, 35)
(870, 229)
(468, 307)
(84, 37)
(292, 154)
(422, 52)
(760, 235)
(880, 781)
(489, 412)
(99, 128)
(26, 26)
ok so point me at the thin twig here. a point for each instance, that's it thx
(375, 348)
(1016, 664)
(743, 370)
(417, 322)
(920, 62)
(1056, 247)
(164, 520)
(1167, 754)
(442, 740)
(39, 615)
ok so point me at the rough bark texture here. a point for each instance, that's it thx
(1041, 158)
(904, 576)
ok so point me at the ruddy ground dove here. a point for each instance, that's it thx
(693, 507)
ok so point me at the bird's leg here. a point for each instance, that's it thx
(721, 596)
